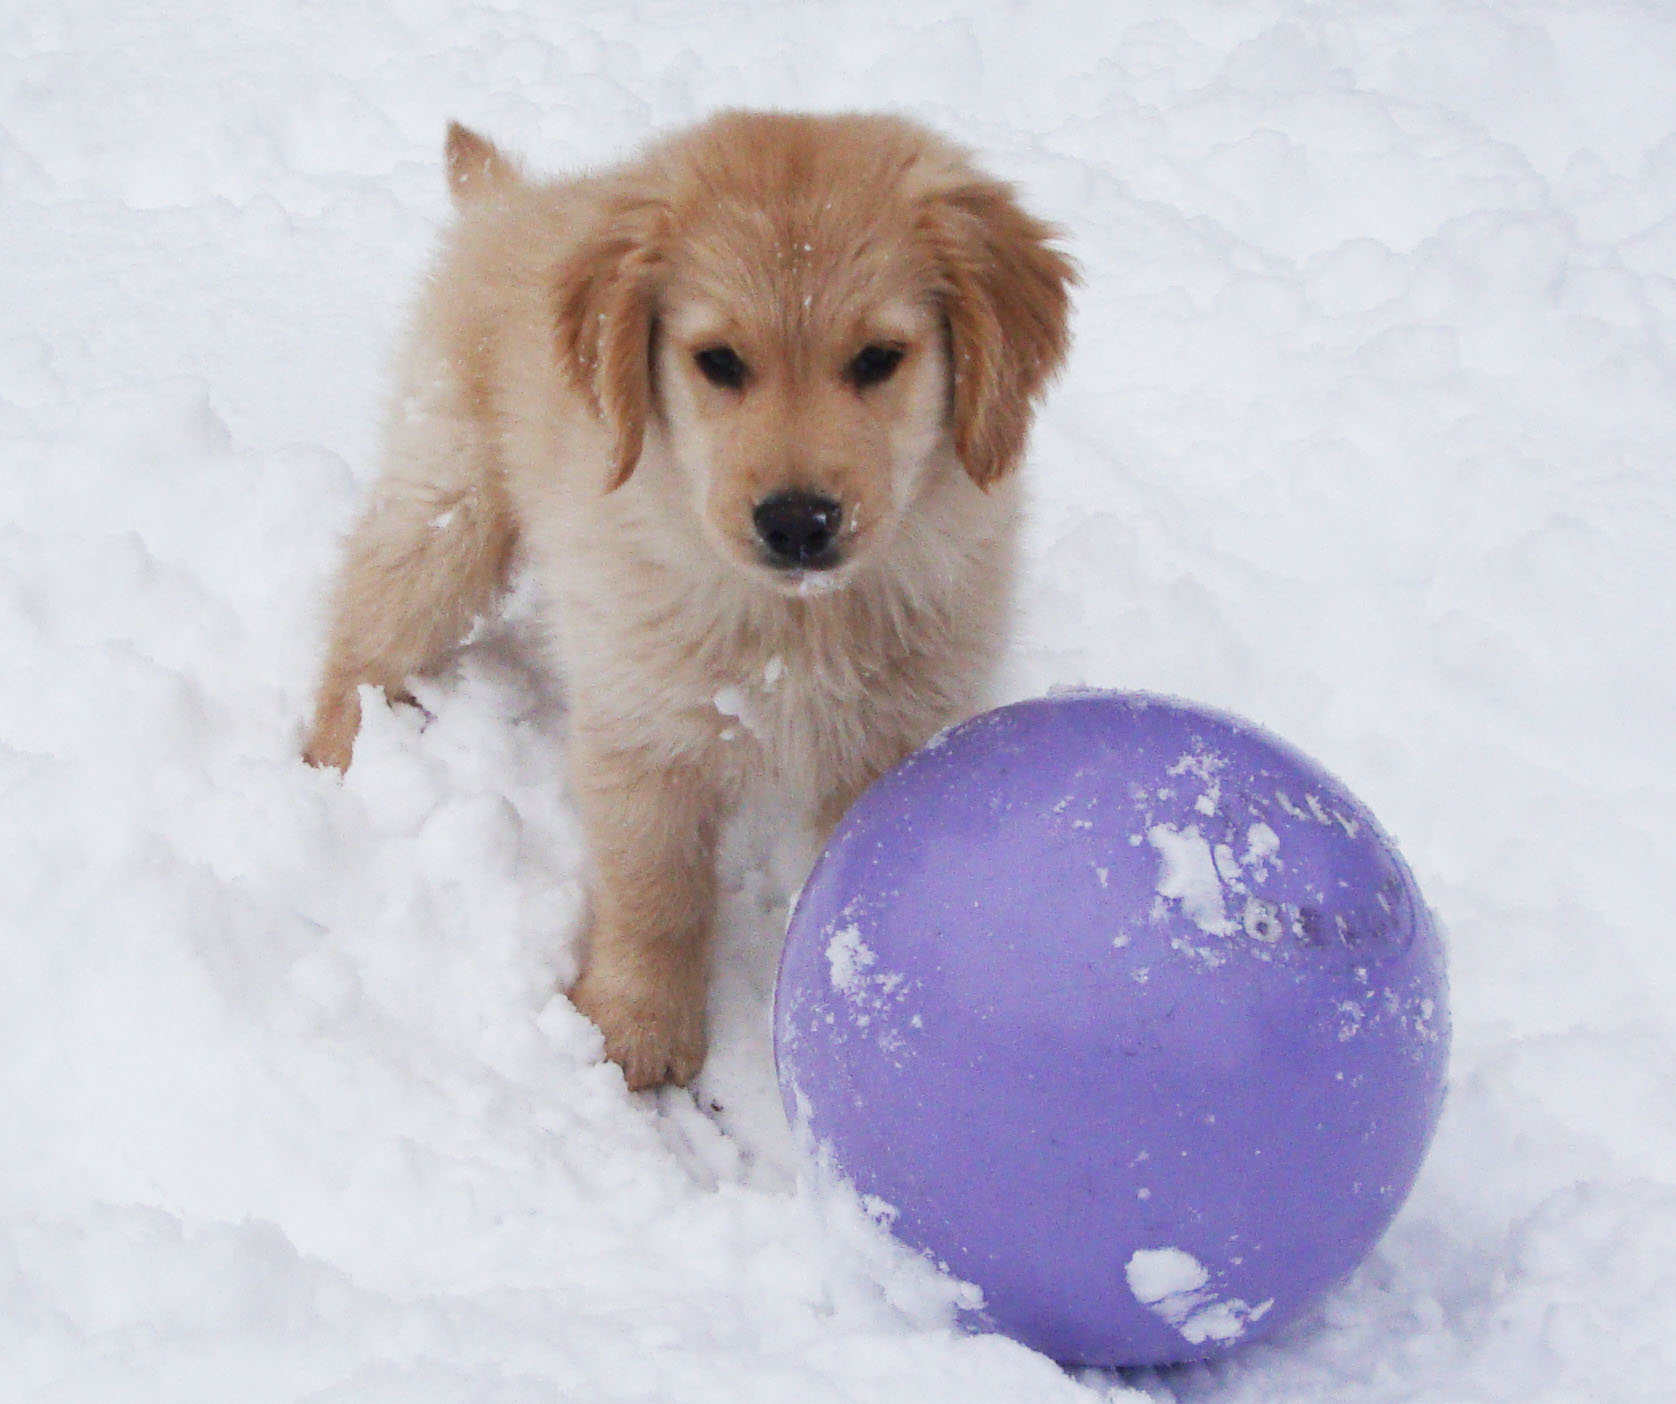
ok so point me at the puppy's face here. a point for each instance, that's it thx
(804, 394)
(814, 315)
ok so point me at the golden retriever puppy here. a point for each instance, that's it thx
(750, 407)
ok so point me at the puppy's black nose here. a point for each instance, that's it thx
(799, 530)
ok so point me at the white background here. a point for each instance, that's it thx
(1368, 435)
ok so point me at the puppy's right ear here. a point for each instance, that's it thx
(606, 305)
(476, 167)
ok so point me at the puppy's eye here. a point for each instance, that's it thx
(721, 365)
(874, 364)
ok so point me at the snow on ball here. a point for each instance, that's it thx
(1127, 1013)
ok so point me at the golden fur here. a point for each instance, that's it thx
(554, 397)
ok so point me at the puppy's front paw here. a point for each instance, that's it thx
(654, 1034)
(337, 718)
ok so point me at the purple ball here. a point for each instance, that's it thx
(1131, 1015)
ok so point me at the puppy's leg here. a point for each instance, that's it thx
(836, 802)
(428, 556)
(834, 806)
(652, 831)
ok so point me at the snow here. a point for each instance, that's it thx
(1173, 1284)
(1187, 873)
(849, 958)
(1156, 1274)
(1367, 436)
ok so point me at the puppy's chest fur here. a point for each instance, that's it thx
(814, 696)
(816, 708)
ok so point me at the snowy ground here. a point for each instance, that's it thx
(1368, 435)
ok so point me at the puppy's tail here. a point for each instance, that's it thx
(477, 169)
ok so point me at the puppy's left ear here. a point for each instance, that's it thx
(477, 169)
(1005, 292)
(606, 302)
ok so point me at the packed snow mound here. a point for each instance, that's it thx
(1367, 436)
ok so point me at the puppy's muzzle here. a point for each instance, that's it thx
(798, 530)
